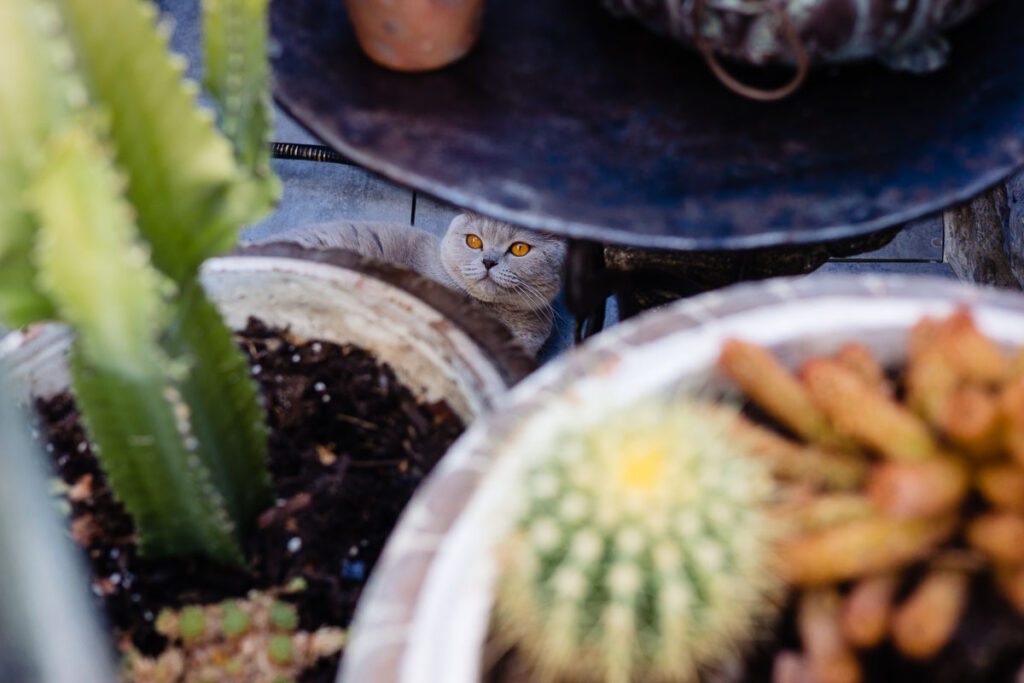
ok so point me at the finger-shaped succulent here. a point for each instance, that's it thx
(643, 548)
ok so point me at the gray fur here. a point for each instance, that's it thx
(518, 290)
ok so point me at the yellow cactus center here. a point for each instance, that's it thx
(643, 466)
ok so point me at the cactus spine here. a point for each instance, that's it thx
(642, 550)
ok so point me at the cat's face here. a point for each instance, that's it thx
(499, 263)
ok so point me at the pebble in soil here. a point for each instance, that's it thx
(348, 446)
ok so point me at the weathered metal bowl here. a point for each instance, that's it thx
(906, 33)
(424, 616)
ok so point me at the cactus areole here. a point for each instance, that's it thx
(642, 549)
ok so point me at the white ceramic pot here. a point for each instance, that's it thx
(424, 616)
(439, 345)
(445, 349)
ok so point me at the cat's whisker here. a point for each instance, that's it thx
(544, 306)
(530, 289)
(533, 295)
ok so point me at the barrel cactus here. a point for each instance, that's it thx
(642, 549)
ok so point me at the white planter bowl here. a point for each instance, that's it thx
(446, 349)
(441, 349)
(424, 616)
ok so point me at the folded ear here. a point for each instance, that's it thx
(460, 222)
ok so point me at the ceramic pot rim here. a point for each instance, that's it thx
(448, 522)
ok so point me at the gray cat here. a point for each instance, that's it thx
(514, 272)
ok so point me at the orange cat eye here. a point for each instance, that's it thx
(520, 249)
(474, 242)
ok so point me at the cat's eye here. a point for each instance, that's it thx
(520, 249)
(474, 242)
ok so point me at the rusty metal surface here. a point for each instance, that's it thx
(569, 120)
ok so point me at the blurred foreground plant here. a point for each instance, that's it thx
(115, 186)
(925, 495)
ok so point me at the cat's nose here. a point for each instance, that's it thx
(489, 263)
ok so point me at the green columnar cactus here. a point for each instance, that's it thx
(114, 187)
(235, 45)
(642, 549)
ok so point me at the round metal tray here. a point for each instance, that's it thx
(566, 119)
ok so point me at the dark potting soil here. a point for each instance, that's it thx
(348, 446)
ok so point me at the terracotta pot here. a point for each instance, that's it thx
(442, 349)
(416, 35)
(425, 614)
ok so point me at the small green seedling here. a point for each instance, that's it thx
(234, 620)
(283, 616)
(280, 649)
(191, 623)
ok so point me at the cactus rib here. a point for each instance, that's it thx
(190, 196)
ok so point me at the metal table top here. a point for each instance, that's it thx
(566, 119)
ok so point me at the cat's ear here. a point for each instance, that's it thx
(551, 240)
(460, 222)
(552, 237)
